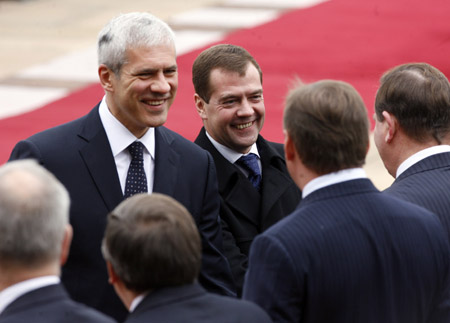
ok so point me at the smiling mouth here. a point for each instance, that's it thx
(243, 126)
(154, 103)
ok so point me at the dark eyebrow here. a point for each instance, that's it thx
(228, 97)
(257, 92)
(173, 67)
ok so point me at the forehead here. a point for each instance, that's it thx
(222, 80)
(159, 56)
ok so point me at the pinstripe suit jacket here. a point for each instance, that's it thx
(349, 253)
(427, 183)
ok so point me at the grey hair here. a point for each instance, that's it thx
(131, 30)
(34, 212)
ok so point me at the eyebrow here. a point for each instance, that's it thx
(233, 96)
(154, 70)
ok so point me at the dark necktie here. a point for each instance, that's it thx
(136, 178)
(250, 164)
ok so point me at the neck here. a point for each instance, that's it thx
(405, 149)
(126, 295)
(13, 274)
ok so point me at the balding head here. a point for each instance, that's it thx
(34, 212)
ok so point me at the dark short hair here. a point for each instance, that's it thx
(152, 242)
(328, 124)
(224, 56)
(418, 96)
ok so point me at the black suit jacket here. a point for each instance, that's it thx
(245, 213)
(349, 253)
(79, 154)
(191, 303)
(50, 304)
(427, 183)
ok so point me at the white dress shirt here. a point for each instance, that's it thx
(13, 292)
(333, 178)
(120, 138)
(232, 156)
(136, 301)
(417, 157)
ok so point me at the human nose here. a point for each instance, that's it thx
(160, 84)
(245, 109)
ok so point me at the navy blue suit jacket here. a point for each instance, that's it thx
(191, 303)
(79, 154)
(50, 304)
(349, 253)
(245, 213)
(427, 183)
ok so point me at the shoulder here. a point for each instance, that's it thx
(237, 310)
(271, 148)
(179, 143)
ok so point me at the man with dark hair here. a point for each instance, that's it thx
(35, 237)
(412, 134)
(229, 99)
(121, 147)
(348, 253)
(153, 253)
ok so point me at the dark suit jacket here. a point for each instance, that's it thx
(191, 303)
(246, 213)
(79, 154)
(50, 304)
(427, 183)
(352, 254)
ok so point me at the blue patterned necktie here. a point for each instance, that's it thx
(250, 164)
(136, 178)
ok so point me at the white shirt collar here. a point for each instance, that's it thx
(119, 136)
(136, 301)
(333, 178)
(228, 153)
(13, 292)
(417, 157)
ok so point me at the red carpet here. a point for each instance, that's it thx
(350, 40)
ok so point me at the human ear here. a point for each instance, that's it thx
(392, 126)
(200, 105)
(105, 75)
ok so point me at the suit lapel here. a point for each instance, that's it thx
(275, 181)
(167, 163)
(235, 189)
(99, 160)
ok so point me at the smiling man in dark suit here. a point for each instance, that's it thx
(92, 157)
(348, 253)
(229, 99)
(412, 133)
(35, 237)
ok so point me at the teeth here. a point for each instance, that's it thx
(154, 102)
(243, 126)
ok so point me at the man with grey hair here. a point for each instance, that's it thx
(153, 253)
(35, 238)
(121, 148)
